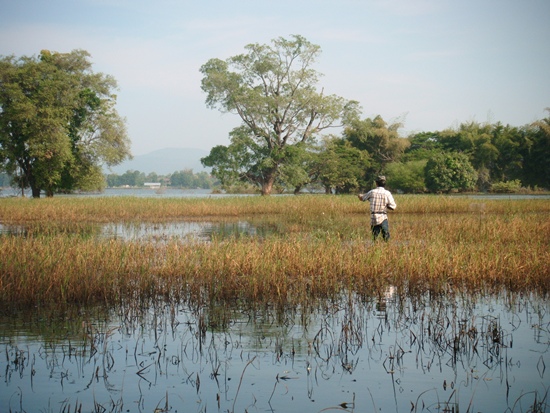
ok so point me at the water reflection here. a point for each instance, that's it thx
(143, 231)
(201, 231)
(387, 353)
(15, 230)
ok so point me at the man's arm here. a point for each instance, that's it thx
(391, 205)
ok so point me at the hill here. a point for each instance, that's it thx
(164, 161)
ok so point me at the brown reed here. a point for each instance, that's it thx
(110, 209)
(323, 245)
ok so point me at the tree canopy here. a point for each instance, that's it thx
(341, 166)
(273, 89)
(58, 122)
(379, 139)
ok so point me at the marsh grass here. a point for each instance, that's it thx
(322, 245)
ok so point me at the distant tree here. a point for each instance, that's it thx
(203, 180)
(461, 139)
(58, 122)
(475, 140)
(537, 153)
(176, 179)
(422, 146)
(131, 178)
(273, 90)
(184, 178)
(152, 177)
(380, 139)
(340, 166)
(450, 171)
(113, 180)
(509, 164)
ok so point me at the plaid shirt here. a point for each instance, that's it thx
(379, 199)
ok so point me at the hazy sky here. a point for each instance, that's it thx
(430, 63)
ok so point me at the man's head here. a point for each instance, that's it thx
(381, 180)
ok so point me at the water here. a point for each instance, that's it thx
(167, 192)
(137, 192)
(152, 193)
(202, 231)
(396, 354)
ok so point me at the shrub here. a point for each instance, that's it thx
(449, 172)
(507, 187)
(407, 177)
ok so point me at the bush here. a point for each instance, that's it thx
(507, 187)
(450, 172)
(407, 177)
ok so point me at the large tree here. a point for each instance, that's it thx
(58, 122)
(273, 89)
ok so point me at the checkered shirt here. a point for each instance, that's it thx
(379, 199)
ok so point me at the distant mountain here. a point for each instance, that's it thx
(164, 161)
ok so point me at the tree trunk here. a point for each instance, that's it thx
(35, 192)
(29, 180)
(267, 184)
(267, 187)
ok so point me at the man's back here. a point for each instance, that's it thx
(380, 200)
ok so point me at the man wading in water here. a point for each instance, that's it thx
(380, 201)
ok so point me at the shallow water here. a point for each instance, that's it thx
(135, 192)
(397, 354)
(182, 230)
(148, 232)
(207, 193)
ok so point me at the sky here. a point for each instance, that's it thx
(430, 64)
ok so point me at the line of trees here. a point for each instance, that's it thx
(59, 127)
(180, 179)
(479, 156)
(273, 89)
(472, 157)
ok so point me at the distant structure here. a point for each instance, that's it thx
(152, 185)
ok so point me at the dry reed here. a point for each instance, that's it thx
(323, 245)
